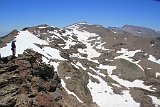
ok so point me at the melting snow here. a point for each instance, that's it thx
(75, 65)
(103, 95)
(155, 101)
(153, 59)
(149, 68)
(67, 77)
(114, 31)
(136, 83)
(116, 85)
(52, 53)
(44, 33)
(83, 37)
(100, 46)
(42, 27)
(126, 53)
(79, 64)
(55, 64)
(45, 60)
(139, 32)
(98, 72)
(98, 91)
(157, 74)
(127, 56)
(77, 56)
(109, 68)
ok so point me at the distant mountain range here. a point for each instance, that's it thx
(137, 31)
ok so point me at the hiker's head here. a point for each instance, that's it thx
(13, 40)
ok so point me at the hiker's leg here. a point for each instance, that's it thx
(14, 51)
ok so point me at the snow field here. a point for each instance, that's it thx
(103, 95)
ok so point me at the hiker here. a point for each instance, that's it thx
(13, 47)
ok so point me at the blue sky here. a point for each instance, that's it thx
(17, 14)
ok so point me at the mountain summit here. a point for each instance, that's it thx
(95, 67)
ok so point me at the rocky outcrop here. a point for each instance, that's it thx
(77, 81)
(141, 97)
(128, 71)
(25, 82)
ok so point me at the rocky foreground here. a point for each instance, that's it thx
(26, 81)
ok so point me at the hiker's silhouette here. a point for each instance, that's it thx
(13, 47)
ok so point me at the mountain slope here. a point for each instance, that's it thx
(96, 64)
(140, 31)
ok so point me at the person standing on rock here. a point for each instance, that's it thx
(13, 47)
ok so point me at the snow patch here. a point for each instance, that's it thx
(42, 27)
(155, 101)
(149, 68)
(52, 53)
(79, 64)
(136, 83)
(44, 59)
(67, 77)
(127, 56)
(151, 45)
(44, 33)
(109, 68)
(55, 64)
(128, 84)
(24, 40)
(97, 71)
(116, 85)
(100, 46)
(103, 95)
(157, 74)
(153, 59)
(114, 31)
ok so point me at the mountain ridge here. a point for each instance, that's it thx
(96, 65)
(123, 28)
(141, 31)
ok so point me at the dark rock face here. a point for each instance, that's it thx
(141, 97)
(77, 83)
(26, 82)
(128, 70)
(156, 47)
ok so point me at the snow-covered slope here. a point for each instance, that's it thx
(106, 70)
